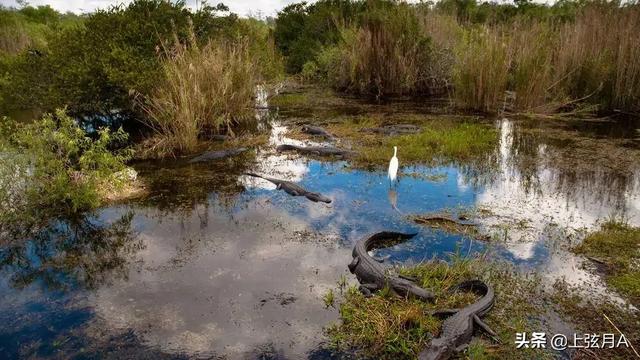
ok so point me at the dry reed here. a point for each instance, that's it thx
(205, 89)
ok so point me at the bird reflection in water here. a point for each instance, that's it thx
(393, 200)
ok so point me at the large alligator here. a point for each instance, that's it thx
(293, 188)
(373, 276)
(317, 150)
(457, 330)
(215, 155)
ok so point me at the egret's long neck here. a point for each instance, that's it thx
(395, 152)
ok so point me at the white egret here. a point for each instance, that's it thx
(393, 165)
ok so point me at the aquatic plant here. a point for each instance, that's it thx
(437, 142)
(481, 69)
(52, 169)
(569, 58)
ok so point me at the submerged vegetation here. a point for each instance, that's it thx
(176, 78)
(617, 247)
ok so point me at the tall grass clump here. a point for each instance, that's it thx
(383, 55)
(205, 89)
(533, 77)
(601, 54)
(550, 66)
(480, 72)
(445, 34)
(13, 35)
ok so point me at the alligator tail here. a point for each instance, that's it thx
(286, 147)
(254, 175)
(475, 286)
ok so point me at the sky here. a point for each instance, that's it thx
(240, 7)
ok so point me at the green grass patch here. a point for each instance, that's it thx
(617, 246)
(389, 327)
(440, 141)
(289, 100)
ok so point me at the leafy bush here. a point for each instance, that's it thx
(302, 31)
(30, 26)
(53, 169)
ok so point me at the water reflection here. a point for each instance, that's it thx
(214, 263)
(539, 190)
(240, 281)
(67, 254)
(393, 199)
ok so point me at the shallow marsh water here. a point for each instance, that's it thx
(216, 264)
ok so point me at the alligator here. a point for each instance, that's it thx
(457, 330)
(373, 276)
(220, 137)
(215, 155)
(293, 189)
(317, 150)
(397, 129)
(315, 130)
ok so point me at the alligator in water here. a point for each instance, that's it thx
(457, 330)
(317, 150)
(373, 276)
(316, 130)
(293, 189)
(215, 155)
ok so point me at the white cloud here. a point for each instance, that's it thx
(241, 7)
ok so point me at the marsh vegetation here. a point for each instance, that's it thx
(522, 118)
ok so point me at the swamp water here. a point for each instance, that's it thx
(216, 264)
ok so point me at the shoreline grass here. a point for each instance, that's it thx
(439, 142)
(616, 246)
(389, 327)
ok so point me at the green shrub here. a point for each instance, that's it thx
(93, 67)
(53, 169)
(302, 31)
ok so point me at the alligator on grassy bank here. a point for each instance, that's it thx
(397, 129)
(457, 330)
(318, 131)
(216, 155)
(373, 276)
(293, 189)
(317, 150)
